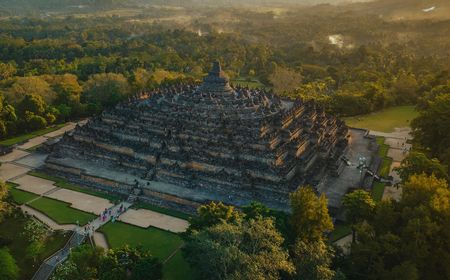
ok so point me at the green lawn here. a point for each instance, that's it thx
(62, 183)
(385, 120)
(377, 191)
(11, 230)
(170, 212)
(177, 268)
(20, 196)
(340, 231)
(61, 212)
(245, 83)
(21, 138)
(159, 242)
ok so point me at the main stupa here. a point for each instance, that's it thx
(183, 145)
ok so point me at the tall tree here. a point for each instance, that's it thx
(312, 260)
(359, 206)
(250, 249)
(430, 128)
(214, 213)
(416, 163)
(310, 216)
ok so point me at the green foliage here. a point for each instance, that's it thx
(406, 239)
(3, 195)
(310, 217)
(9, 269)
(358, 208)
(312, 260)
(417, 163)
(82, 264)
(129, 263)
(430, 128)
(35, 231)
(32, 103)
(248, 249)
(106, 89)
(212, 214)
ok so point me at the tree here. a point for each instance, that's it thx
(7, 70)
(212, 214)
(32, 103)
(248, 249)
(106, 89)
(408, 239)
(430, 128)
(285, 80)
(30, 86)
(83, 263)
(310, 217)
(359, 206)
(312, 260)
(34, 122)
(129, 263)
(67, 88)
(9, 269)
(3, 204)
(417, 163)
(147, 268)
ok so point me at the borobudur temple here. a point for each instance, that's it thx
(179, 146)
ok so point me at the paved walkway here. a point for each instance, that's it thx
(398, 150)
(100, 240)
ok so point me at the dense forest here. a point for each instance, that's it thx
(63, 67)
(66, 60)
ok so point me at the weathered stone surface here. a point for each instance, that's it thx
(212, 139)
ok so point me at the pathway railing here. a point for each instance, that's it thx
(48, 266)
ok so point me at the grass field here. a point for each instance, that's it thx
(11, 229)
(178, 214)
(160, 243)
(177, 268)
(245, 83)
(62, 183)
(20, 196)
(385, 120)
(22, 138)
(61, 212)
(377, 191)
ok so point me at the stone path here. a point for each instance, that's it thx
(100, 240)
(145, 218)
(398, 150)
(34, 184)
(81, 201)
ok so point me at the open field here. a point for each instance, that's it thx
(11, 228)
(159, 242)
(61, 212)
(245, 83)
(386, 120)
(24, 137)
(19, 196)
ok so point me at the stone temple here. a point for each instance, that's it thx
(183, 145)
